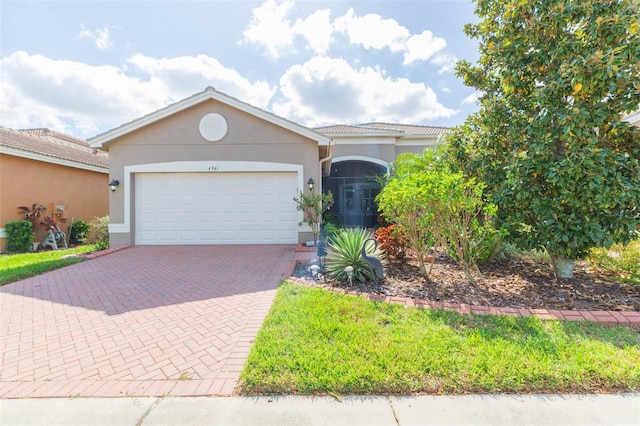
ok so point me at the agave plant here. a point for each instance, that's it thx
(345, 249)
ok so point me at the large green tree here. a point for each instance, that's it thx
(555, 79)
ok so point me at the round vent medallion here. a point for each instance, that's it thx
(213, 127)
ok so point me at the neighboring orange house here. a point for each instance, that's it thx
(53, 169)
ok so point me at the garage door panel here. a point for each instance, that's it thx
(220, 208)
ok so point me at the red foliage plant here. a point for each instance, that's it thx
(393, 243)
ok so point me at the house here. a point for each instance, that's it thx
(61, 172)
(211, 169)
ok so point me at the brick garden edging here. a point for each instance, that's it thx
(106, 252)
(628, 319)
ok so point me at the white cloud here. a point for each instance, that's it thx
(270, 28)
(73, 97)
(100, 37)
(68, 96)
(421, 47)
(327, 91)
(446, 62)
(471, 99)
(185, 75)
(317, 30)
(372, 31)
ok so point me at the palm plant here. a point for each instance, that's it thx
(344, 250)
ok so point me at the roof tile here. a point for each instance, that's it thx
(53, 144)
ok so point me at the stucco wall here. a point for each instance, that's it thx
(177, 139)
(84, 193)
(385, 152)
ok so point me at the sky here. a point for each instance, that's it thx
(85, 67)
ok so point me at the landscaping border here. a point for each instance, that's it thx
(628, 319)
(110, 250)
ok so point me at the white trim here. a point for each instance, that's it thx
(364, 141)
(633, 118)
(209, 93)
(3, 233)
(52, 160)
(199, 167)
(361, 158)
(419, 142)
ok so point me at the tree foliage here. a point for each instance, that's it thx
(431, 205)
(555, 80)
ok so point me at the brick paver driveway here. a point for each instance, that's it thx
(144, 321)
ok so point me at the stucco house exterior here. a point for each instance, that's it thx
(211, 169)
(61, 172)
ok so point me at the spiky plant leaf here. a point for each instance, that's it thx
(344, 250)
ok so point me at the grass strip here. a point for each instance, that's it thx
(319, 342)
(15, 267)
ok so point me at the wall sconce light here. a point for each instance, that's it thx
(114, 184)
(311, 184)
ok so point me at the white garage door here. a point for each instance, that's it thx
(215, 208)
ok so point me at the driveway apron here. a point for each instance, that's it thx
(144, 321)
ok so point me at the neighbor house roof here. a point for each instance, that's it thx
(382, 129)
(52, 147)
(356, 130)
(209, 93)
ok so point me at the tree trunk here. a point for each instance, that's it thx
(563, 267)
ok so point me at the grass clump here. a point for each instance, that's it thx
(621, 261)
(317, 342)
(15, 267)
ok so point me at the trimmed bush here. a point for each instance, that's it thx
(19, 236)
(79, 231)
(393, 243)
(99, 233)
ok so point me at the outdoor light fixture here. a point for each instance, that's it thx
(314, 270)
(114, 184)
(311, 183)
(349, 271)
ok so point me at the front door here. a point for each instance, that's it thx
(356, 204)
(354, 186)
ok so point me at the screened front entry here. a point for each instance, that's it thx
(354, 188)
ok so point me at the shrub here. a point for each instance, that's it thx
(99, 233)
(19, 235)
(330, 229)
(33, 214)
(78, 232)
(393, 243)
(345, 250)
(621, 260)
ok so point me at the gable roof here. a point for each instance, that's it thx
(383, 129)
(52, 147)
(209, 93)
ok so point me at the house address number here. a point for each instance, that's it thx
(213, 168)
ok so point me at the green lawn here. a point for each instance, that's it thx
(15, 267)
(314, 341)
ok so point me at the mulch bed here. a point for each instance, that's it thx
(507, 283)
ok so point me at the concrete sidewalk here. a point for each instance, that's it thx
(618, 409)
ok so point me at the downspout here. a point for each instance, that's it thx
(324, 160)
